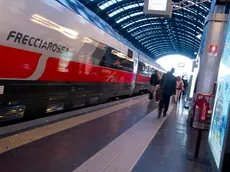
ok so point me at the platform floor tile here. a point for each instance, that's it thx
(123, 153)
(17, 140)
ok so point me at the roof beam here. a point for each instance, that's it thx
(187, 3)
(158, 30)
(157, 46)
(144, 24)
(143, 37)
(159, 36)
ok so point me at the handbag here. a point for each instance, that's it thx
(158, 94)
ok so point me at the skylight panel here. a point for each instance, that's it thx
(125, 8)
(116, 12)
(107, 4)
(122, 19)
(130, 30)
(137, 13)
(126, 25)
(129, 24)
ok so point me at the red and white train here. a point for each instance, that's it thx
(52, 59)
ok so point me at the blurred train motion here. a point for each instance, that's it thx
(53, 59)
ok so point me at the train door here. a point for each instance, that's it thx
(135, 70)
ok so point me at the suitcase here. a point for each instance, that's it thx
(150, 96)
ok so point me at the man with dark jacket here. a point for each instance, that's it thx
(185, 85)
(168, 88)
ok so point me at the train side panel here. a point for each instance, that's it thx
(46, 60)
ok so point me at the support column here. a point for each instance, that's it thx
(211, 51)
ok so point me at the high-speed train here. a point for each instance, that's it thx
(54, 59)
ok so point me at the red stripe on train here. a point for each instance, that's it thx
(60, 70)
(142, 79)
(21, 64)
(16, 63)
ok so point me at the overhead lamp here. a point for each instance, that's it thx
(182, 65)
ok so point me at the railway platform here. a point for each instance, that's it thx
(121, 136)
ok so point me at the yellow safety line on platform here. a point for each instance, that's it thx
(17, 140)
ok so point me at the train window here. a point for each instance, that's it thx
(99, 55)
(92, 49)
(142, 68)
(127, 65)
(146, 70)
(103, 55)
(130, 53)
(151, 71)
(116, 60)
(85, 53)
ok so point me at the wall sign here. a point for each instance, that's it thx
(213, 49)
(158, 8)
(158, 5)
(220, 118)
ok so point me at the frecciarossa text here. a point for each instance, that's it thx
(25, 39)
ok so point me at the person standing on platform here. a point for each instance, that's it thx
(158, 91)
(154, 81)
(179, 88)
(168, 88)
(185, 85)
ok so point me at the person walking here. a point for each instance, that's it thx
(185, 85)
(154, 81)
(158, 90)
(179, 88)
(168, 88)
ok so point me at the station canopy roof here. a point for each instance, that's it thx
(155, 36)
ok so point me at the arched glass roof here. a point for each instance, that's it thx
(153, 35)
